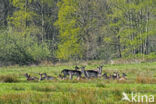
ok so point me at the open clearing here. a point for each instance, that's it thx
(141, 79)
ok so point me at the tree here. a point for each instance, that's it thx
(21, 42)
(130, 23)
(69, 45)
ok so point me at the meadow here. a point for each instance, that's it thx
(17, 90)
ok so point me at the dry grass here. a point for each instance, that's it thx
(15, 98)
(8, 78)
(145, 80)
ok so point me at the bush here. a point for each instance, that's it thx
(22, 50)
(8, 78)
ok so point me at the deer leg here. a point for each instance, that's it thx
(96, 76)
(78, 78)
(87, 75)
(70, 76)
(65, 76)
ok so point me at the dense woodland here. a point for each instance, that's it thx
(32, 31)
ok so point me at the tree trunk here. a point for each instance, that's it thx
(42, 20)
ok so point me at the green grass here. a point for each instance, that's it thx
(141, 79)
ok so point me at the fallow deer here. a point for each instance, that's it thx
(41, 77)
(105, 76)
(89, 73)
(29, 77)
(115, 75)
(76, 67)
(100, 71)
(123, 77)
(48, 77)
(71, 73)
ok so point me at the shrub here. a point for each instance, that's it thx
(22, 50)
(8, 78)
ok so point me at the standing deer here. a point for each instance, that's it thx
(71, 73)
(65, 72)
(75, 73)
(89, 73)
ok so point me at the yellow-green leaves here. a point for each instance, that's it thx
(69, 45)
(22, 19)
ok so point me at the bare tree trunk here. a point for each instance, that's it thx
(119, 47)
(141, 31)
(6, 6)
(26, 5)
(147, 39)
(42, 21)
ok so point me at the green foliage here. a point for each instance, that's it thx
(16, 49)
(22, 19)
(132, 36)
(21, 44)
(151, 55)
(69, 45)
(76, 29)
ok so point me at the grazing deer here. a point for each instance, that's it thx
(29, 77)
(89, 73)
(48, 77)
(41, 78)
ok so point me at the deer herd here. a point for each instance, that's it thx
(88, 74)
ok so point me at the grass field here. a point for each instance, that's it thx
(141, 79)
